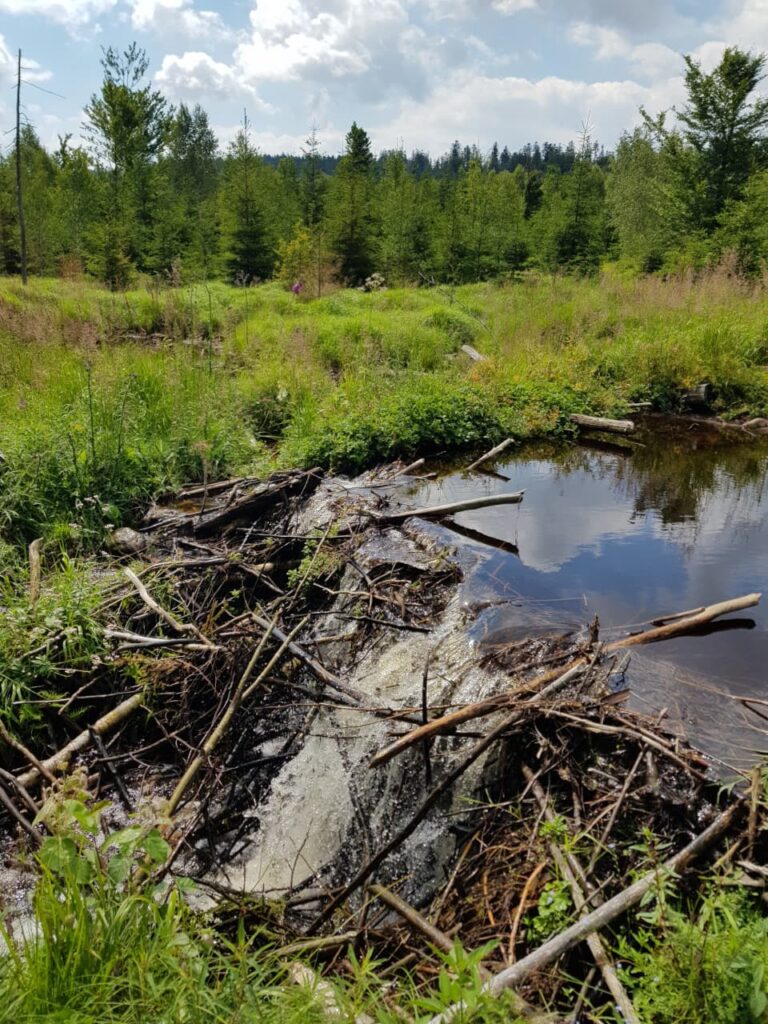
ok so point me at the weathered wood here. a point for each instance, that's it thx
(264, 496)
(84, 739)
(491, 454)
(675, 627)
(604, 915)
(474, 355)
(602, 423)
(452, 508)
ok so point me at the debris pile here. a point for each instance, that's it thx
(290, 683)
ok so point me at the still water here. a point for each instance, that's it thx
(675, 522)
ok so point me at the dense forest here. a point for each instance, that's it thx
(149, 192)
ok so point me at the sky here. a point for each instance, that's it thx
(413, 73)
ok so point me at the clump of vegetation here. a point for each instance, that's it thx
(710, 967)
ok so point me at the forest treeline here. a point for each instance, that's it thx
(149, 192)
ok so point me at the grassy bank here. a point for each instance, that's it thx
(106, 399)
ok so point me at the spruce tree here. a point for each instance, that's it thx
(353, 228)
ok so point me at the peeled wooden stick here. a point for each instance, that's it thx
(84, 739)
(569, 869)
(678, 627)
(491, 454)
(472, 711)
(454, 507)
(413, 917)
(604, 915)
(173, 622)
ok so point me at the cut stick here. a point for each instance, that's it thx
(408, 913)
(604, 915)
(409, 469)
(601, 423)
(173, 622)
(84, 739)
(318, 671)
(491, 454)
(678, 627)
(437, 511)
(569, 869)
(470, 712)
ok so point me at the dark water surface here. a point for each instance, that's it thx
(677, 523)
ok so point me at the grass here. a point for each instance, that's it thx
(107, 950)
(107, 399)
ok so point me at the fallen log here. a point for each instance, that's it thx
(491, 454)
(602, 423)
(264, 496)
(452, 508)
(604, 915)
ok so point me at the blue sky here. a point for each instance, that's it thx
(413, 72)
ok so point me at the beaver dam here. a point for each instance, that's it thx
(423, 705)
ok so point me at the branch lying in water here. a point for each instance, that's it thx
(677, 627)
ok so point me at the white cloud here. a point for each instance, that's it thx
(196, 75)
(30, 69)
(651, 60)
(459, 9)
(476, 108)
(745, 23)
(294, 39)
(176, 16)
(71, 13)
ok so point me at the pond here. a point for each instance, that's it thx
(673, 521)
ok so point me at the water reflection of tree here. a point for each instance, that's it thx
(673, 474)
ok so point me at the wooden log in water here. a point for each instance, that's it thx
(452, 508)
(491, 454)
(602, 423)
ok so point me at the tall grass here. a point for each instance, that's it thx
(96, 416)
